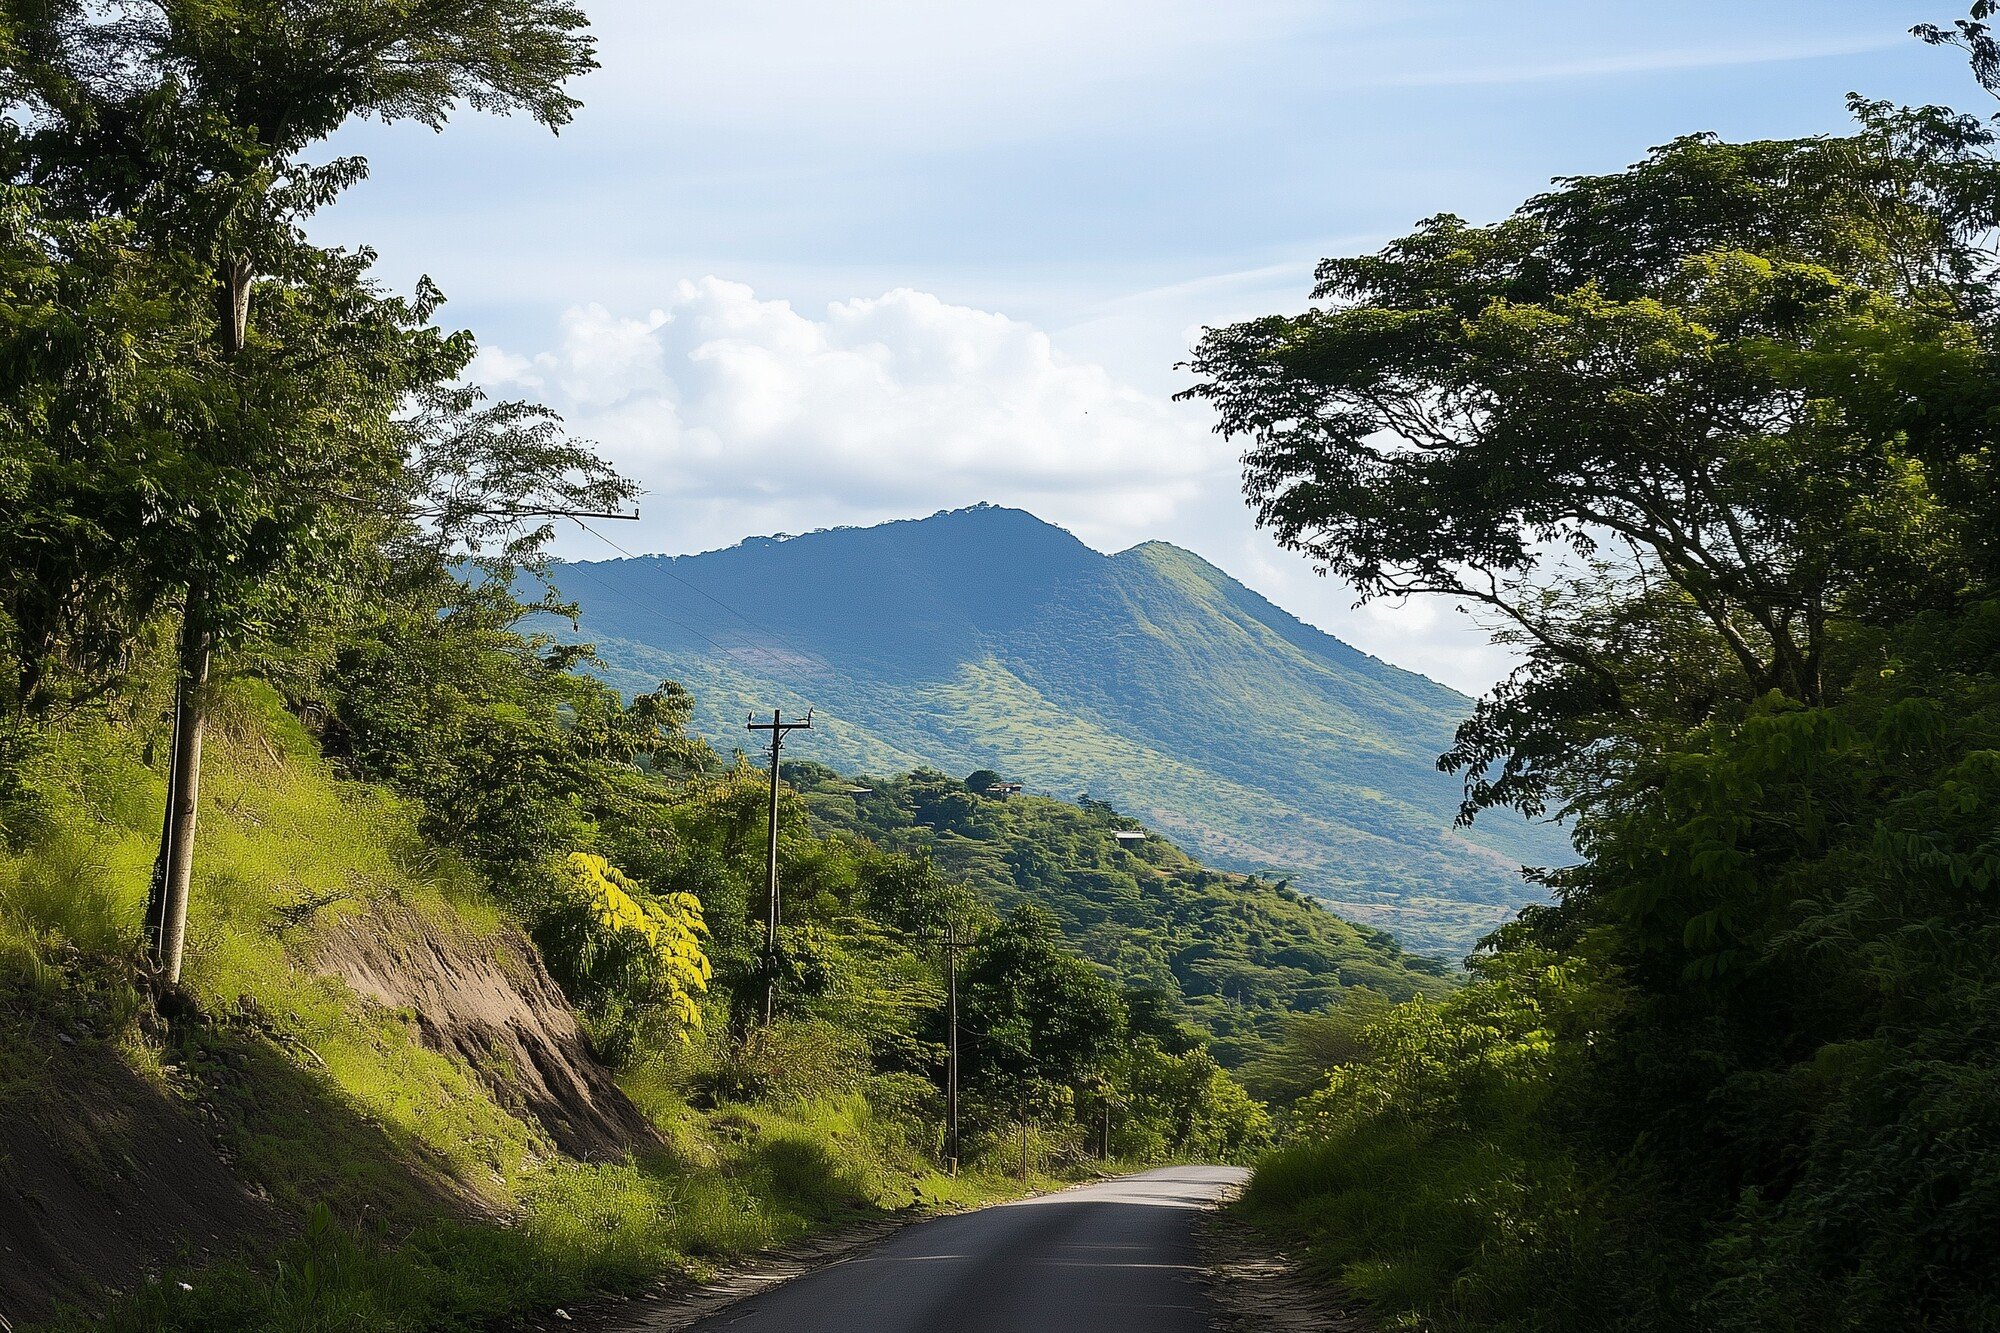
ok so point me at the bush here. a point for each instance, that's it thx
(624, 957)
(793, 1060)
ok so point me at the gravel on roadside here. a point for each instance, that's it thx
(1257, 1289)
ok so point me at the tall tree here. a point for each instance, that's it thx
(1667, 427)
(1040, 1020)
(189, 119)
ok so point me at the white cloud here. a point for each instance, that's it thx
(744, 416)
(877, 408)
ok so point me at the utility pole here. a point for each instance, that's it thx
(952, 946)
(779, 729)
(950, 1047)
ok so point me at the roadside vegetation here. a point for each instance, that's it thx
(365, 962)
(1711, 439)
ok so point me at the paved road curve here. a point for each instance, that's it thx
(1116, 1257)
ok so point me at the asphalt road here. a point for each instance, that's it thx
(1116, 1257)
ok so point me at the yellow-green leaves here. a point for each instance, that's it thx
(623, 953)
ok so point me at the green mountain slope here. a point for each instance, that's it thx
(1232, 955)
(986, 638)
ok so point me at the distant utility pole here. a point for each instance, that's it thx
(779, 729)
(953, 945)
(950, 1047)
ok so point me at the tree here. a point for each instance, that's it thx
(622, 954)
(1713, 439)
(188, 120)
(1038, 1020)
(982, 781)
(1667, 427)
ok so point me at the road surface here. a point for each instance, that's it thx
(1115, 1257)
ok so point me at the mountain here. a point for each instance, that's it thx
(987, 638)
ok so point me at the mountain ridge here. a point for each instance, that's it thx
(986, 637)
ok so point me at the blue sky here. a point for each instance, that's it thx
(802, 264)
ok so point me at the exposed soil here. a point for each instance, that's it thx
(1258, 1289)
(104, 1179)
(108, 1181)
(492, 1003)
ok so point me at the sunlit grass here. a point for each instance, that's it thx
(426, 1203)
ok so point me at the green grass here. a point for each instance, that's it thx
(1452, 1232)
(417, 1200)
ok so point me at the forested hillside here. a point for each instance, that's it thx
(1716, 435)
(1232, 955)
(365, 962)
(986, 638)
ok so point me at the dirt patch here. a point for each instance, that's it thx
(490, 1002)
(1259, 1289)
(104, 1180)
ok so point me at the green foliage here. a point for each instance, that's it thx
(1184, 1107)
(1038, 1021)
(1232, 956)
(622, 955)
(1428, 1174)
(1714, 433)
(1587, 392)
(382, 1144)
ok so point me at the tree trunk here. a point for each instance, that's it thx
(166, 914)
(166, 908)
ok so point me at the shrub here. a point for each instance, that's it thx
(625, 958)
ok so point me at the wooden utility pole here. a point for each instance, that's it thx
(173, 867)
(952, 947)
(950, 1047)
(778, 728)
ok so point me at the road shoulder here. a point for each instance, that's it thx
(1259, 1289)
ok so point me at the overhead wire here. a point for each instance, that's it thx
(666, 568)
(662, 616)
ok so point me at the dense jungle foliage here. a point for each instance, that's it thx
(1713, 439)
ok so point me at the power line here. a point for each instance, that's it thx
(665, 567)
(653, 611)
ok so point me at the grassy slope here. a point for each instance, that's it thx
(411, 1196)
(987, 639)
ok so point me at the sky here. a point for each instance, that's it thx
(797, 265)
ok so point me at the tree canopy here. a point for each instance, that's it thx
(1674, 429)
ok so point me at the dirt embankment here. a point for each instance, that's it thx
(111, 1177)
(104, 1178)
(491, 1003)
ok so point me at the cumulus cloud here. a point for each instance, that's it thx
(880, 407)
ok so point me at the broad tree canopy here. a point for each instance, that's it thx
(1681, 429)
